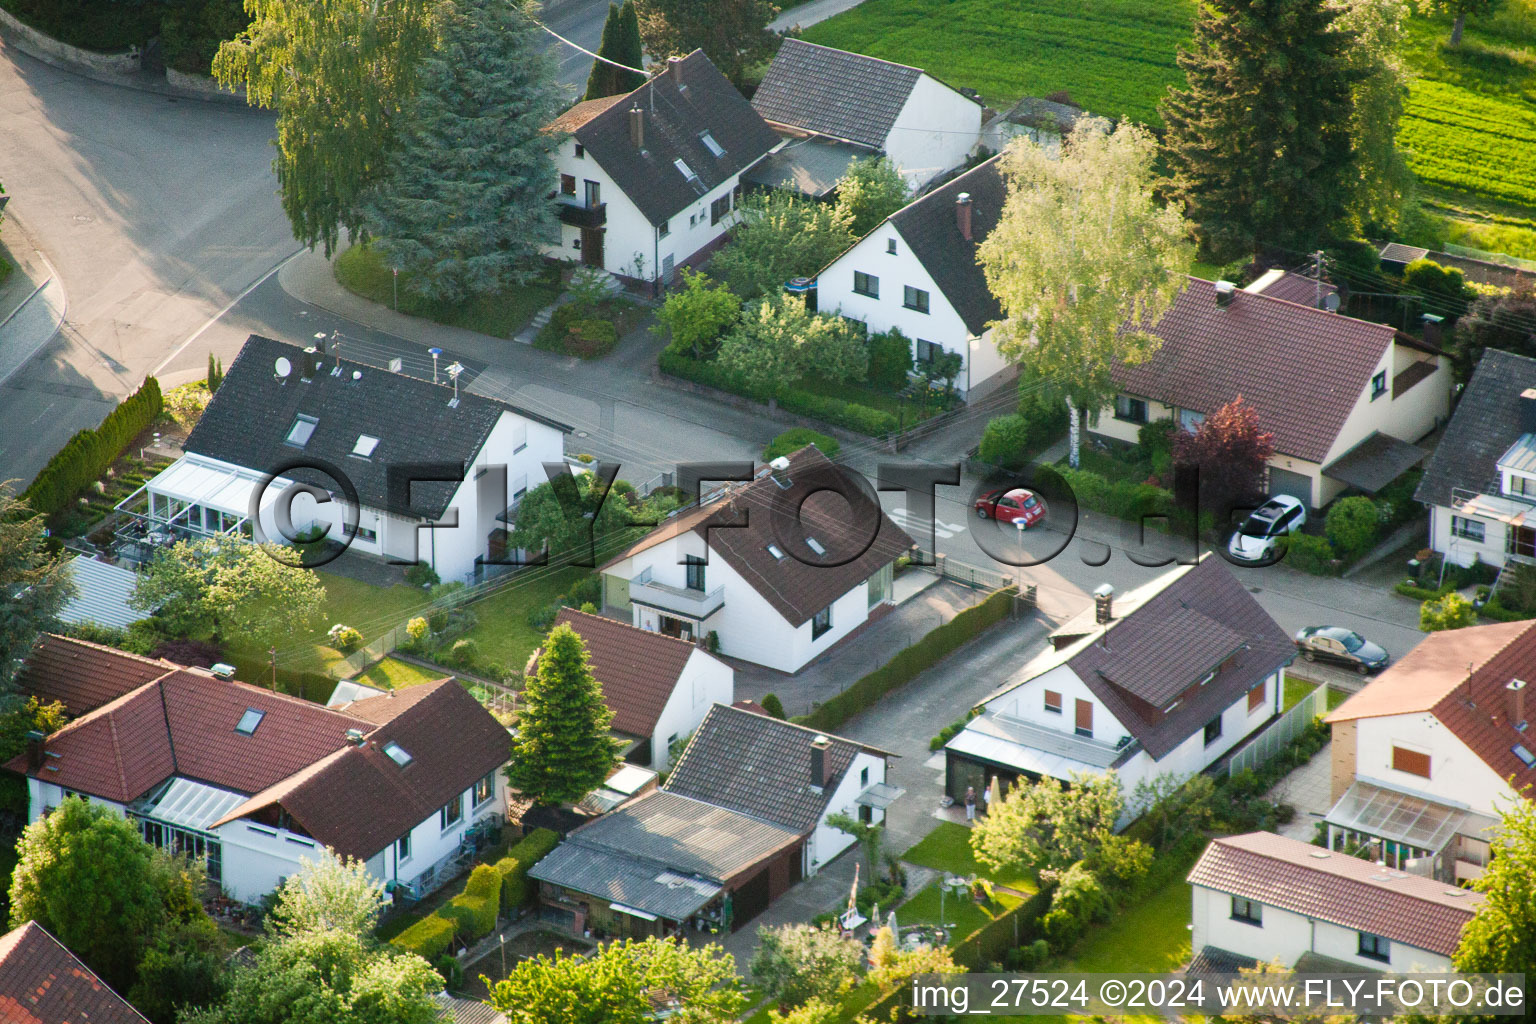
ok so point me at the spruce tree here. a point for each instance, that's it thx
(1258, 141)
(562, 751)
(463, 207)
(621, 44)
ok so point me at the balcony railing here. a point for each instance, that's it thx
(691, 604)
(578, 215)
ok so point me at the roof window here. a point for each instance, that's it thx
(303, 427)
(711, 145)
(777, 552)
(397, 753)
(684, 169)
(815, 545)
(365, 446)
(249, 721)
(1526, 757)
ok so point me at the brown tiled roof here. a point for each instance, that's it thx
(1301, 369)
(81, 675)
(583, 112)
(1426, 675)
(740, 528)
(1335, 887)
(357, 800)
(41, 982)
(1298, 288)
(760, 765)
(1201, 618)
(637, 668)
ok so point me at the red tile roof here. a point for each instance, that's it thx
(41, 982)
(637, 668)
(1335, 887)
(1301, 369)
(81, 675)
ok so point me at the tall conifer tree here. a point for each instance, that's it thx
(562, 751)
(621, 44)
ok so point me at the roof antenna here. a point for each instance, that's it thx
(454, 370)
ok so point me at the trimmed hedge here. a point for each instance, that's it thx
(991, 941)
(927, 652)
(1308, 553)
(475, 909)
(795, 438)
(516, 887)
(1423, 593)
(840, 413)
(428, 938)
(87, 455)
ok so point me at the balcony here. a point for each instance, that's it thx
(690, 604)
(578, 215)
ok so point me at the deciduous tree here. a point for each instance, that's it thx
(780, 237)
(1083, 261)
(562, 751)
(778, 342)
(871, 191)
(463, 208)
(621, 45)
(732, 33)
(1382, 182)
(1502, 933)
(696, 315)
(1504, 321)
(327, 893)
(1460, 11)
(1230, 448)
(797, 963)
(1046, 826)
(33, 584)
(578, 514)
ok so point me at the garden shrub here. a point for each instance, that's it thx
(795, 438)
(950, 731)
(1352, 525)
(87, 455)
(588, 589)
(890, 360)
(428, 938)
(773, 705)
(190, 32)
(422, 575)
(1495, 609)
(480, 903)
(1122, 499)
(838, 412)
(416, 628)
(345, 639)
(1028, 957)
(516, 888)
(1452, 611)
(464, 653)
(1310, 554)
(697, 315)
(591, 339)
(1005, 441)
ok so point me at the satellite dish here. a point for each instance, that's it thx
(357, 374)
(282, 367)
(1331, 302)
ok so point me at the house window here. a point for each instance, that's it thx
(710, 144)
(927, 351)
(821, 622)
(719, 209)
(866, 284)
(1378, 385)
(1053, 702)
(484, 789)
(1213, 730)
(914, 298)
(864, 776)
(866, 814)
(663, 229)
(1132, 410)
(1247, 911)
(1469, 529)
(567, 184)
(303, 427)
(1255, 698)
(1374, 947)
(451, 814)
(1084, 720)
(366, 534)
(890, 246)
(695, 573)
(693, 220)
(1410, 761)
(1190, 420)
(581, 151)
(1523, 485)
(403, 848)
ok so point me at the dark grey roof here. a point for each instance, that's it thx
(1034, 112)
(679, 106)
(1202, 619)
(624, 878)
(932, 233)
(834, 92)
(1375, 462)
(811, 166)
(761, 766)
(248, 421)
(1397, 252)
(1215, 960)
(1486, 422)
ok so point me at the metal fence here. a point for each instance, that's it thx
(970, 575)
(1279, 735)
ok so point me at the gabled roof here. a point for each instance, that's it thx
(1338, 888)
(834, 92)
(42, 982)
(248, 421)
(760, 765)
(1486, 422)
(930, 230)
(583, 112)
(1462, 678)
(1302, 370)
(81, 675)
(1292, 287)
(638, 668)
(678, 106)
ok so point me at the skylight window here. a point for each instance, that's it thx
(711, 145)
(1526, 757)
(365, 445)
(815, 545)
(684, 169)
(776, 552)
(249, 721)
(397, 753)
(303, 427)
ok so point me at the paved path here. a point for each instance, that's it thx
(806, 15)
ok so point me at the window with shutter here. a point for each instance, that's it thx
(1410, 761)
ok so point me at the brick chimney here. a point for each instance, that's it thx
(963, 215)
(34, 750)
(1514, 699)
(637, 127)
(675, 66)
(1225, 292)
(1528, 411)
(819, 747)
(1104, 604)
(1434, 332)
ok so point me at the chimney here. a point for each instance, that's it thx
(34, 750)
(1225, 290)
(1514, 698)
(637, 127)
(221, 670)
(1433, 334)
(780, 471)
(1528, 411)
(310, 362)
(356, 737)
(675, 65)
(1104, 604)
(819, 747)
(963, 215)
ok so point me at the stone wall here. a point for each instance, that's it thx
(50, 51)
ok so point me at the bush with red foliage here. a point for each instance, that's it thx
(1230, 449)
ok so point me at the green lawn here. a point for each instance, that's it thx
(361, 270)
(1336, 697)
(963, 914)
(503, 633)
(394, 674)
(1295, 689)
(948, 848)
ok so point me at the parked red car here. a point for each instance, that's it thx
(1011, 506)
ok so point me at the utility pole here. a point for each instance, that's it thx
(1317, 273)
(272, 653)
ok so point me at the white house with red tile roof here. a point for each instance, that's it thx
(1428, 756)
(1264, 897)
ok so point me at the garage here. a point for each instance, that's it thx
(1297, 485)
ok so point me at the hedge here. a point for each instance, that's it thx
(795, 438)
(1010, 930)
(87, 455)
(840, 413)
(1308, 553)
(428, 938)
(1423, 593)
(516, 888)
(475, 909)
(908, 663)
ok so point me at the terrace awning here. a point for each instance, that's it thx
(191, 805)
(1397, 816)
(1375, 462)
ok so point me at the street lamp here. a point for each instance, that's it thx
(1020, 524)
(974, 343)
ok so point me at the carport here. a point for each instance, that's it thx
(1374, 463)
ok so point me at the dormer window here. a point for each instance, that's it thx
(711, 145)
(396, 753)
(299, 433)
(365, 445)
(249, 721)
(684, 169)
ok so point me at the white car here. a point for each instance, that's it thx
(1259, 535)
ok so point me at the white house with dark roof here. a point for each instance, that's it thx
(1158, 683)
(917, 272)
(648, 180)
(1263, 897)
(925, 128)
(312, 418)
(774, 590)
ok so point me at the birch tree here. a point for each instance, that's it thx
(1083, 261)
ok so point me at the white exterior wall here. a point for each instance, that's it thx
(704, 681)
(1027, 702)
(941, 325)
(1456, 775)
(934, 133)
(826, 842)
(1460, 550)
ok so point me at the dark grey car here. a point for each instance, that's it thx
(1342, 647)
